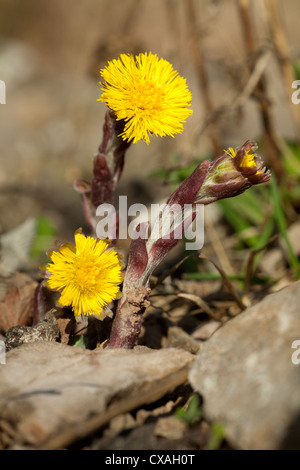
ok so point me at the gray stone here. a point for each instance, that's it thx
(247, 378)
(178, 338)
(294, 238)
(52, 394)
(170, 427)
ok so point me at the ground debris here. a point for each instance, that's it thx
(16, 300)
(46, 330)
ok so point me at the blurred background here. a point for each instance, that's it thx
(239, 58)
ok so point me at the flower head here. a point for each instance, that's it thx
(249, 163)
(148, 94)
(87, 275)
(232, 173)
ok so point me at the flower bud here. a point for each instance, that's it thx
(232, 173)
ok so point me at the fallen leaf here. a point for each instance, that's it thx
(16, 305)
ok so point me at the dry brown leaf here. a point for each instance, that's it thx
(206, 329)
(66, 324)
(16, 305)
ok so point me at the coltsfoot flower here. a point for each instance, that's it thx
(148, 94)
(232, 173)
(87, 275)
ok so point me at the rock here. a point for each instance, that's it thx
(178, 338)
(170, 428)
(206, 329)
(52, 394)
(274, 260)
(247, 378)
(120, 423)
(293, 234)
(143, 415)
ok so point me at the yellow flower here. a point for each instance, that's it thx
(247, 161)
(232, 173)
(148, 94)
(87, 275)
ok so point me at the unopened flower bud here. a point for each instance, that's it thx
(232, 173)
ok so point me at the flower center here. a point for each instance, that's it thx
(85, 274)
(147, 97)
(248, 160)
